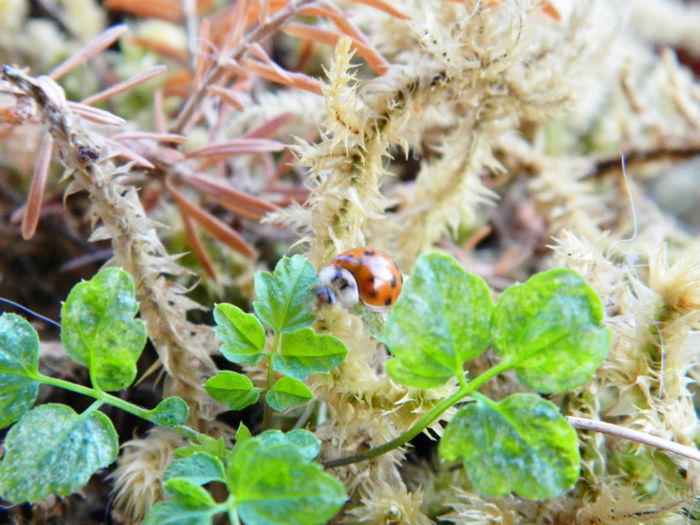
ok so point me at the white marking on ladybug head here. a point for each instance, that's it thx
(340, 283)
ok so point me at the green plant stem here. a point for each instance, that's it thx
(114, 401)
(267, 411)
(424, 422)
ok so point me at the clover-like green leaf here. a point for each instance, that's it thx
(286, 393)
(170, 412)
(188, 494)
(232, 388)
(440, 320)
(173, 513)
(305, 352)
(242, 334)
(305, 442)
(19, 361)
(199, 468)
(522, 445)
(273, 483)
(550, 327)
(284, 297)
(98, 327)
(51, 449)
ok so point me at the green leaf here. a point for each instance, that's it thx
(522, 445)
(440, 320)
(550, 326)
(232, 388)
(199, 468)
(304, 441)
(188, 494)
(242, 434)
(275, 484)
(242, 334)
(98, 328)
(170, 412)
(285, 296)
(19, 361)
(286, 393)
(172, 513)
(305, 352)
(51, 449)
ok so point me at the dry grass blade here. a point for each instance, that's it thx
(235, 200)
(101, 42)
(313, 33)
(197, 245)
(160, 137)
(236, 147)
(124, 86)
(36, 191)
(204, 58)
(176, 53)
(383, 6)
(297, 80)
(130, 154)
(271, 127)
(99, 116)
(211, 224)
(339, 19)
(170, 10)
(230, 96)
(259, 53)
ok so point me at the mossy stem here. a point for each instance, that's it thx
(424, 422)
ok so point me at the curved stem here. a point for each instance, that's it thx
(423, 422)
(114, 401)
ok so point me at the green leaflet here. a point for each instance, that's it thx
(286, 393)
(440, 320)
(51, 449)
(19, 361)
(305, 352)
(98, 328)
(522, 445)
(242, 334)
(284, 297)
(550, 328)
(232, 388)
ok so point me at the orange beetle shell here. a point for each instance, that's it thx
(378, 278)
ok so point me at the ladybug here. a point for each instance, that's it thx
(360, 274)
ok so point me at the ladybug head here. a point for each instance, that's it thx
(337, 285)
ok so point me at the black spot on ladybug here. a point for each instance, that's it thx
(393, 281)
(368, 253)
(370, 279)
(373, 293)
(387, 301)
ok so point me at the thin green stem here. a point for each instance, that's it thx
(104, 397)
(424, 422)
(267, 411)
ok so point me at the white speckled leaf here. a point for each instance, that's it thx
(52, 449)
(522, 445)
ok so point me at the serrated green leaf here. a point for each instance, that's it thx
(170, 412)
(305, 352)
(242, 335)
(213, 446)
(550, 326)
(232, 388)
(51, 449)
(284, 297)
(199, 468)
(304, 441)
(98, 327)
(189, 495)
(522, 445)
(19, 361)
(172, 513)
(440, 320)
(286, 393)
(275, 485)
